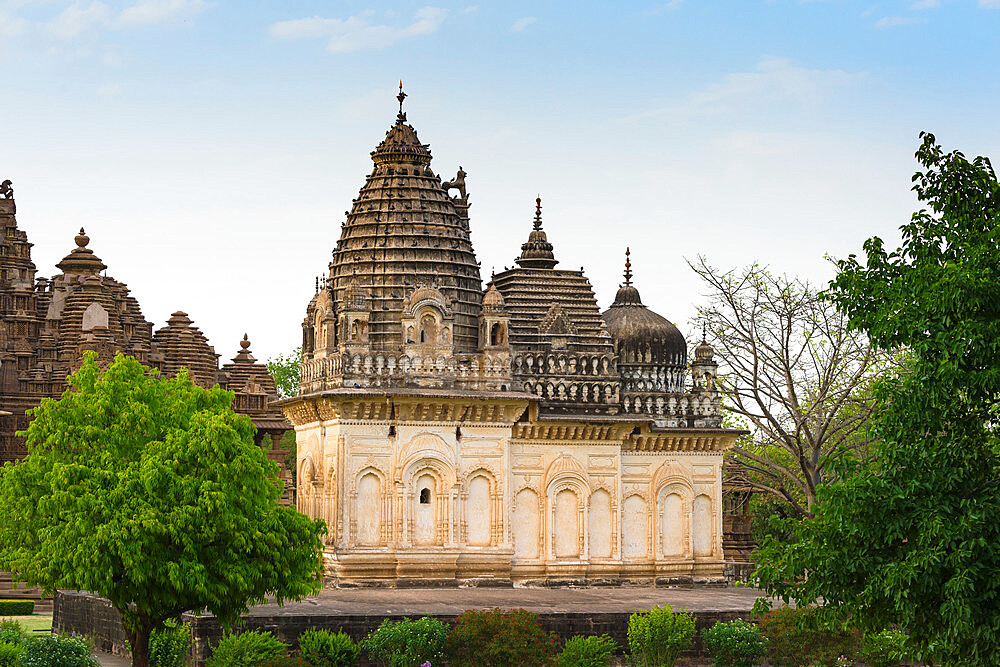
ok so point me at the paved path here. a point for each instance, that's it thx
(453, 601)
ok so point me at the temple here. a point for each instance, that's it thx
(508, 435)
(48, 324)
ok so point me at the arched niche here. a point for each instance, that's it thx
(525, 524)
(426, 489)
(634, 527)
(566, 523)
(599, 524)
(673, 531)
(478, 515)
(367, 512)
(702, 526)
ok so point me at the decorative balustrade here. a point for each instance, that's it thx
(388, 369)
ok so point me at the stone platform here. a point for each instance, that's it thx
(565, 611)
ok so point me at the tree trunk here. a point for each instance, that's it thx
(138, 631)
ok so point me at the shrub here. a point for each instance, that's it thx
(322, 648)
(245, 649)
(587, 652)
(407, 643)
(657, 638)
(884, 649)
(17, 607)
(737, 643)
(9, 654)
(168, 646)
(11, 632)
(497, 638)
(284, 660)
(797, 637)
(57, 651)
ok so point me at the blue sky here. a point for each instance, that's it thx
(210, 148)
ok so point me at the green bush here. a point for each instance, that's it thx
(323, 648)
(284, 660)
(497, 638)
(10, 654)
(587, 652)
(657, 638)
(797, 637)
(168, 646)
(245, 649)
(17, 607)
(884, 649)
(11, 632)
(407, 643)
(736, 643)
(57, 651)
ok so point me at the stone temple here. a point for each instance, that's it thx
(451, 433)
(48, 324)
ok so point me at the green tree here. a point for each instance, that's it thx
(284, 368)
(151, 493)
(911, 539)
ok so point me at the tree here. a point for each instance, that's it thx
(913, 538)
(794, 375)
(284, 368)
(151, 493)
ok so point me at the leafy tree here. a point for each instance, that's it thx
(151, 493)
(284, 368)
(794, 375)
(912, 539)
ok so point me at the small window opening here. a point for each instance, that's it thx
(425, 496)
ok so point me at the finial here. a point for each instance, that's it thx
(538, 212)
(401, 97)
(628, 267)
(704, 331)
(245, 343)
(82, 239)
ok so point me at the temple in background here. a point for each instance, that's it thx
(48, 324)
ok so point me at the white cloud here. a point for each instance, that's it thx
(894, 21)
(77, 18)
(990, 4)
(522, 23)
(110, 89)
(775, 81)
(11, 26)
(925, 4)
(151, 12)
(356, 33)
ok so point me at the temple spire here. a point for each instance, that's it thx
(628, 267)
(537, 252)
(401, 96)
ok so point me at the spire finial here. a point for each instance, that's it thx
(538, 212)
(628, 267)
(704, 331)
(401, 97)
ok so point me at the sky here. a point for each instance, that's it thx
(211, 148)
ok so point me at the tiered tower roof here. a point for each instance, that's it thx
(404, 230)
(183, 345)
(543, 301)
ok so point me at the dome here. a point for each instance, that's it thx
(640, 335)
(493, 301)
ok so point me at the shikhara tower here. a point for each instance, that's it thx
(515, 434)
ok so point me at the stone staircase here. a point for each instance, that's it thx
(8, 592)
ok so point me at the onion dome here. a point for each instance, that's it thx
(183, 345)
(640, 335)
(81, 260)
(493, 301)
(537, 252)
(704, 351)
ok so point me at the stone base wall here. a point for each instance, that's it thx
(84, 613)
(87, 614)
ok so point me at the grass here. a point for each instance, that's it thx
(41, 622)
